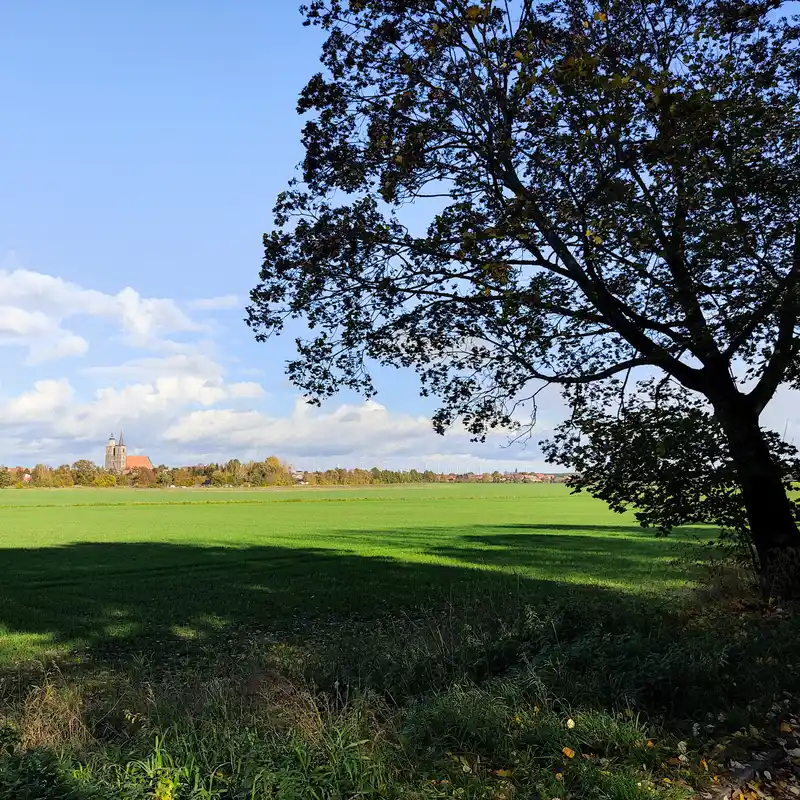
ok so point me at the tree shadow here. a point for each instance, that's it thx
(375, 619)
(95, 595)
(623, 554)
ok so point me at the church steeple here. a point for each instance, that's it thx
(116, 454)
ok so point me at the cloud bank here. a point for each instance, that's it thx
(168, 384)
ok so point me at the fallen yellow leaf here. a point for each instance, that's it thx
(601, 16)
(786, 727)
(503, 773)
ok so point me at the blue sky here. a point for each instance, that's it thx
(141, 150)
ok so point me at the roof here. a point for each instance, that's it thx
(138, 462)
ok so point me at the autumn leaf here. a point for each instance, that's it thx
(474, 13)
(568, 752)
(786, 727)
(601, 16)
(503, 773)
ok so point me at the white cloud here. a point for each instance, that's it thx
(221, 303)
(38, 405)
(35, 305)
(347, 431)
(143, 369)
(43, 336)
(783, 415)
(144, 320)
(246, 390)
(172, 395)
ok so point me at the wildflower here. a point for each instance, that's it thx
(568, 752)
(570, 723)
(559, 776)
(650, 743)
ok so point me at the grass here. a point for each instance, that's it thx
(90, 567)
(427, 641)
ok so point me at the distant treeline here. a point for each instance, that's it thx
(270, 472)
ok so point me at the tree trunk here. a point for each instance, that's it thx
(773, 528)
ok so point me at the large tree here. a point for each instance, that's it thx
(605, 187)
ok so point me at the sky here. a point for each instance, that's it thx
(141, 150)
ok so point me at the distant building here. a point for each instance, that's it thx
(118, 460)
(138, 462)
(116, 454)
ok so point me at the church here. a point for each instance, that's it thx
(118, 460)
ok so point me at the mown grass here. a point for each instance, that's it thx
(440, 641)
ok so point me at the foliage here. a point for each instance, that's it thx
(270, 472)
(601, 193)
(610, 186)
(84, 472)
(37, 774)
(6, 479)
(661, 454)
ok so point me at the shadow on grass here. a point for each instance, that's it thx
(397, 627)
(97, 595)
(623, 554)
(104, 594)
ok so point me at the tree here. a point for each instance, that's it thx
(42, 476)
(663, 453)
(613, 186)
(63, 476)
(6, 479)
(84, 472)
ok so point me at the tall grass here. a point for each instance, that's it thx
(500, 700)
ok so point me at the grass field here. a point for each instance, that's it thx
(85, 567)
(450, 641)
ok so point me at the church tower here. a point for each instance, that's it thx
(116, 454)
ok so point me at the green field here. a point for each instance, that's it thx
(81, 567)
(468, 642)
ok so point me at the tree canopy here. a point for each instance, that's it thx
(607, 186)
